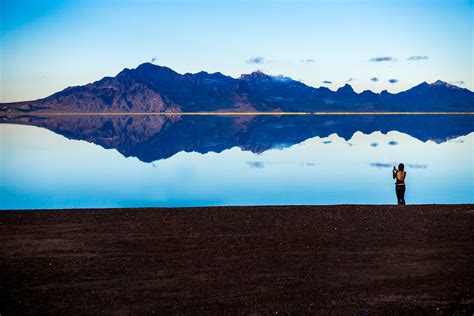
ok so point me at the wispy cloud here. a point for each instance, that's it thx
(382, 58)
(255, 164)
(153, 60)
(255, 60)
(415, 58)
(393, 80)
(380, 165)
(416, 166)
(460, 82)
(326, 82)
(308, 60)
(350, 79)
(374, 79)
(389, 165)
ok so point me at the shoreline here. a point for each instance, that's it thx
(228, 206)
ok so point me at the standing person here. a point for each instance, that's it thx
(400, 175)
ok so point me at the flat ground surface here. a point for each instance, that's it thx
(348, 259)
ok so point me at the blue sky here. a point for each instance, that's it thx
(48, 45)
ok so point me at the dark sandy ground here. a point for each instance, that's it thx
(348, 259)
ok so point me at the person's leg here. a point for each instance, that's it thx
(402, 193)
(399, 197)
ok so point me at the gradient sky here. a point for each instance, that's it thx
(48, 45)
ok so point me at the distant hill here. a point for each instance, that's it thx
(152, 88)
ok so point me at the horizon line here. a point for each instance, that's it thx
(210, 113)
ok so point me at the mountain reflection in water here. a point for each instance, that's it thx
(151, 138)
(41, 169)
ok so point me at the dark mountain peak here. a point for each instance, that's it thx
(152, 68)
(256, 75)
(423, 84)
(420, 88)
(435, 84)
(220, 74)
(147, 65)
(198, 75)
(324, 89)
(206, 75)
(367, 93)
(149, 69)
(201, 74)
(346, 89)
(216, 79)
(439, 83)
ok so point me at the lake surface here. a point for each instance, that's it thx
(79, 162)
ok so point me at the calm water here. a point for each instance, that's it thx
(168, 163)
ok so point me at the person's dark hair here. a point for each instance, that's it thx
(401, 167)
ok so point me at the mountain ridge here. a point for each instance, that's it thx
(153, 88)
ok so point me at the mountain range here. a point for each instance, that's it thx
(152, 88)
